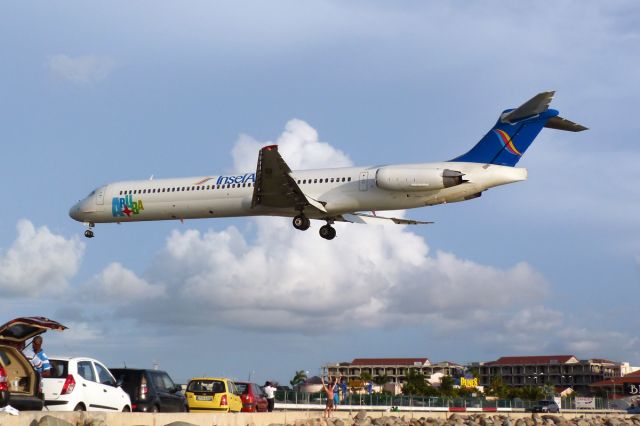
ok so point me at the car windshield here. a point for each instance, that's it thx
(212, 386)
(242, 388)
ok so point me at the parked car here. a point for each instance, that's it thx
(545, 406)
(213, 394)
(253, 397)
(19, 381)
(150, 390)
(82, 384)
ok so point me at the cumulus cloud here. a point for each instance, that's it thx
(299, 144)
(81, 70)
(39, 262)
(367, 277)
(115, 281)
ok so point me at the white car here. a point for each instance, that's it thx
(82, 384)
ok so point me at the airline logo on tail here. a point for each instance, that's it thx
(506, 142)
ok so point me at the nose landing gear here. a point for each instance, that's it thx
(89, 232)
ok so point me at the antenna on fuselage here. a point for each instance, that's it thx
(151, 177)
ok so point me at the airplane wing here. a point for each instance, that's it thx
(374, 219)
(274, 185)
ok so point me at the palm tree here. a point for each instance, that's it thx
(298, 378)
(381, 380)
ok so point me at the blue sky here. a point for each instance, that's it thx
(99, 92)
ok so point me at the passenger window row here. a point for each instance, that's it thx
(323, 180)
(224, 186)
(186, 188)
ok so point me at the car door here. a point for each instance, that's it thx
(108, 397)
(235, 402)
(165, 387)
(87, 383)
(261, 398)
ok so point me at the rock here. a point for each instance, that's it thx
(53, 421)
(94, 422)
(360, 416)
(338, 422)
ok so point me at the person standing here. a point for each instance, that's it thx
(328, 390)
(40, 360)
(270, 391)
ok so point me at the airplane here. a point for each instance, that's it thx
(347, 194)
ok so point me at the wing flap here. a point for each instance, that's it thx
(370, 219)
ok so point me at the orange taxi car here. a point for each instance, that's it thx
(213, 394)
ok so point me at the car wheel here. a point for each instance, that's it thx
(155, 409)
(126, 409)
(79, 407)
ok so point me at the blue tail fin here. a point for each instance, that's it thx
(515, 130)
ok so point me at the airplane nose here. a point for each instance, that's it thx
(74, 212)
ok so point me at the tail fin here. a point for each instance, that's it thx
(515, 130)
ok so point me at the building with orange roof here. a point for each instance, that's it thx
(554, 370)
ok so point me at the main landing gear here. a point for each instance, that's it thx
(89, 232)
(327, 232)
(303, 223)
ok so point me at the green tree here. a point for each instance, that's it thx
(446, 386)
(298, 378)
(365, 376)
(381, 380)
(497, 388)
(416, 384)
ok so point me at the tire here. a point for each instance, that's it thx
(155, 409)
(126, 409)
(80, 407)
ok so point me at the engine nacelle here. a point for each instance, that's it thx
(410, 179)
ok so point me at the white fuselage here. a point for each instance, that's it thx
(341, 190)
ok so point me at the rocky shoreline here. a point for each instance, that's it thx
(362, 419)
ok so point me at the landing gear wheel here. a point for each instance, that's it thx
(88, 233)
(301, 222)
(327, 232)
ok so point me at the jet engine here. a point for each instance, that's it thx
(415, 179)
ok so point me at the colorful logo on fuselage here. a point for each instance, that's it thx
(125, 206)
(506, 141)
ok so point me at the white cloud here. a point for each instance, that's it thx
(39, 262)
(81, 70)
(118, 284)
(299, 144)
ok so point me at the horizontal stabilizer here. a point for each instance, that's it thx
(560, 123)
(370, 219)
(534, 106)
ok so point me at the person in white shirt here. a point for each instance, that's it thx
(270, 391)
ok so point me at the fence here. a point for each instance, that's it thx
(380, 399)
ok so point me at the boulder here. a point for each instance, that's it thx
(53, 421)
(360, 416)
